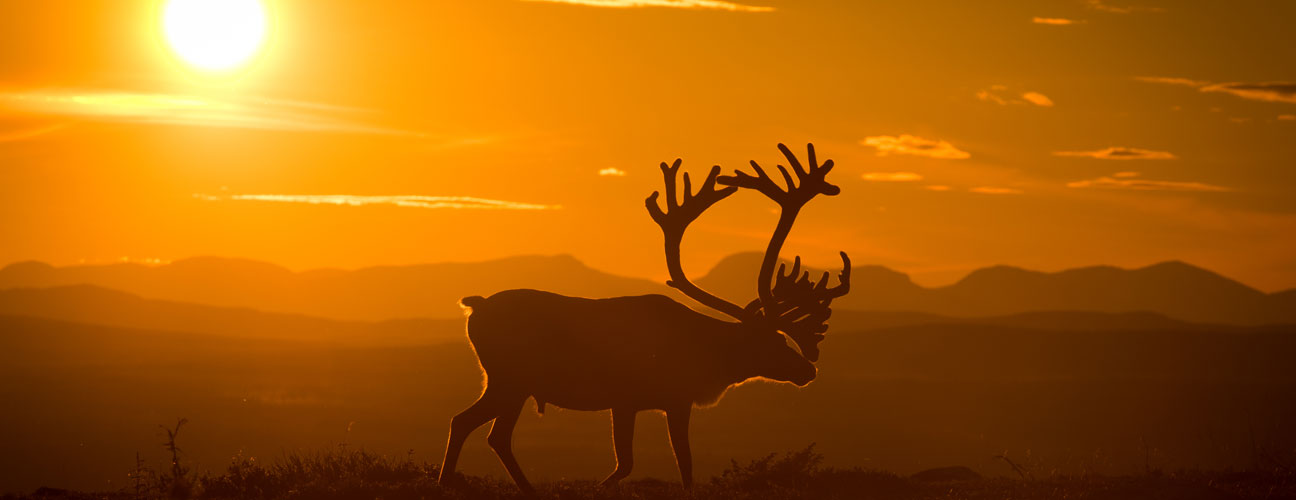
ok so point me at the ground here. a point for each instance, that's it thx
(356, 474)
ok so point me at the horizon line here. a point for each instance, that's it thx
(156, 262)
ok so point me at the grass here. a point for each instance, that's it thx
(357, 474)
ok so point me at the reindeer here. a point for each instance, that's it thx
(649, 352)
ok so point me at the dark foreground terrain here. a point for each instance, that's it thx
(355, 474)
(88, 373)
(80, 400)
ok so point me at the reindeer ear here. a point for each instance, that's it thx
(809, 345)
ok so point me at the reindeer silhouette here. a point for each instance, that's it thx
(630, 354)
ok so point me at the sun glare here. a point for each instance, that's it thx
(215, 36)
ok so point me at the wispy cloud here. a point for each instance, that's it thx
(1131, 180)
(678, 4)
(1266, 91)
(1102, 6)
(998, 94)
(1037, 99)
(30, 133)
(197, 111)
(411, 201)
(1172, 81)
(612, 172)
(1287, 117)
(1263, 91)
(994, 190)
(1119, 153)
(991, 96)
(892, 176)
(905, 144)
(1054, 21)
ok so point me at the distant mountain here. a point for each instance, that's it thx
(845, 321)
(1173, 289)
(89, 304)
(375, 293)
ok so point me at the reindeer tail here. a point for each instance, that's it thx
(472, 301)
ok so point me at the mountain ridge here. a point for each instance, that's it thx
(94, 305)
(1174, 289)
(90, 304)
(366, 294)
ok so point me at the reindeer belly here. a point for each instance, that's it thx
(578, 388)
(586, 377)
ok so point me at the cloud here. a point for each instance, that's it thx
(1119, 153)
(679, 4)
(1054, 21)
(1266, 91)
(184, 110)
(906, 144)
(612, 172)
(32, 133)
(1129, 180)
(1100, 5)
(989, 96)
(996, 95)
(994, 190)
(1171, 81)
(1287, 117)
(1037, 99)
(411, 201)
(892, 176)
(1263, 91)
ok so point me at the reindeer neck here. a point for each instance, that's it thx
(732, 350)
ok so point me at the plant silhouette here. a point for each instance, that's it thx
(649, 352)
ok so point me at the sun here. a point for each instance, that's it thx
(215, 36)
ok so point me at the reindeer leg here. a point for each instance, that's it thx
(463, 424)
(501, 440)
(677, 422)
(623, 422)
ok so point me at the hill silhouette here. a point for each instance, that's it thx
(372, 294)
(1071, 321)
(1173, 289)
(101, 306)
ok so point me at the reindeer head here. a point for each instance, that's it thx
(790, 303)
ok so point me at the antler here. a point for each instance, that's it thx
(812, 182)
(794, 304)
(676, 218)
(791, 200)
(805, 304)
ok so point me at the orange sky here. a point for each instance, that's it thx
(1040, 134)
